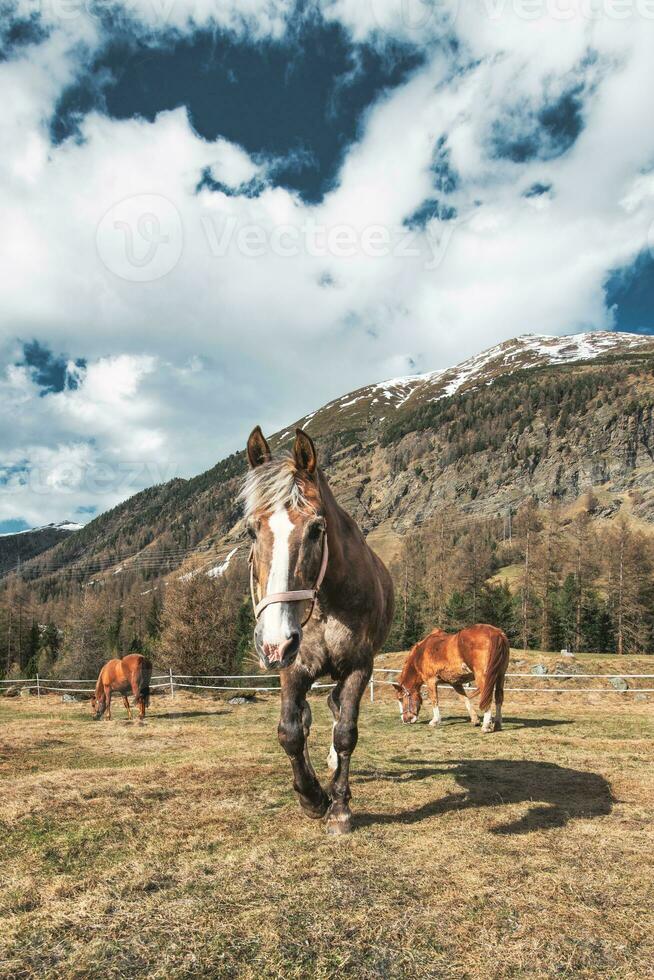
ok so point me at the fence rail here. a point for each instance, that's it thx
(172, 682)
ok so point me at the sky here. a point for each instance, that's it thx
(218, 214)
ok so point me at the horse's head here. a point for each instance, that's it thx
(98, 707)
(410, 702)
(284, 515)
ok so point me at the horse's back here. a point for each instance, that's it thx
(120, 672)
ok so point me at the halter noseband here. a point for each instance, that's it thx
(298, 595)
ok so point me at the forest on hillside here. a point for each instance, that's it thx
(550, 579)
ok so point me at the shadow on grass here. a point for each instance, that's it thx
(172, 715)
(556, 794)
(536, 722)
(512, 721)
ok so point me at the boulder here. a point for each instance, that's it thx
(25, 692)
(619, 683)
(68, 698)
(242, 699)
(539, 670)
(12, 692)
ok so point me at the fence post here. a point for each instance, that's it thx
(172, 687)
(372, 686)
(38, 687)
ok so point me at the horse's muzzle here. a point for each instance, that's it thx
(278, 656)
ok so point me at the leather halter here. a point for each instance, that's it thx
(298, 595)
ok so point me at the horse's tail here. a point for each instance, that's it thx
(144, 673)
(498, 661)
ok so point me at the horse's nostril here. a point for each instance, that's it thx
(290, 646)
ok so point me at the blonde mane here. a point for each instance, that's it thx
(272, 485)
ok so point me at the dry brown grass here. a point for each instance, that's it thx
(176, 849)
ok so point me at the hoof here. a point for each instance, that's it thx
(433, 724)
(476, 723)
(314, 811)
(338, 824)
(487, 729)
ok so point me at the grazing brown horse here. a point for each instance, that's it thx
(323, 603)
(480, 653)
(129, 675)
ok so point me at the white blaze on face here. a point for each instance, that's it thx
(277, 621)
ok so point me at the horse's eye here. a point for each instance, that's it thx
(316, 528)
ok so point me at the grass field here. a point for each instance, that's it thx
(177, 849)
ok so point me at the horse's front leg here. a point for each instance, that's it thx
(432, 687)
(345, 735)
(335, 707)
(127, 707)
(293, 732)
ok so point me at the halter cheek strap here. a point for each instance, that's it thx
(298, 595)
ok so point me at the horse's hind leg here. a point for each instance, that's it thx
(127, 707)
(335, 707)
(292, 733)
(139, 701)
(339, 817)
(461, 691)
(499, 701)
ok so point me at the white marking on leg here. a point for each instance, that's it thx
(488, 720)
(437, 717)
(332, 758)
(277, 624)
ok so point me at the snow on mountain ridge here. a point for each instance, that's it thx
(62, 526)
(529, 350)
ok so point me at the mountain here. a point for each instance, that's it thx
(20, 546)
(535, 416)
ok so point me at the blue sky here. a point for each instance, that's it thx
(223, 213)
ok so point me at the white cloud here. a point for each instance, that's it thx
(262, 308)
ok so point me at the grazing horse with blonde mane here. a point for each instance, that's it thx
(323, 603)
(129, 675)
(480, 652)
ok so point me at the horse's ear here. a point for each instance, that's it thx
(305, 452)
(398, 687)
(258, 448)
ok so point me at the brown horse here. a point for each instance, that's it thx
(480, 653)
(323, 603)
(129, 675)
